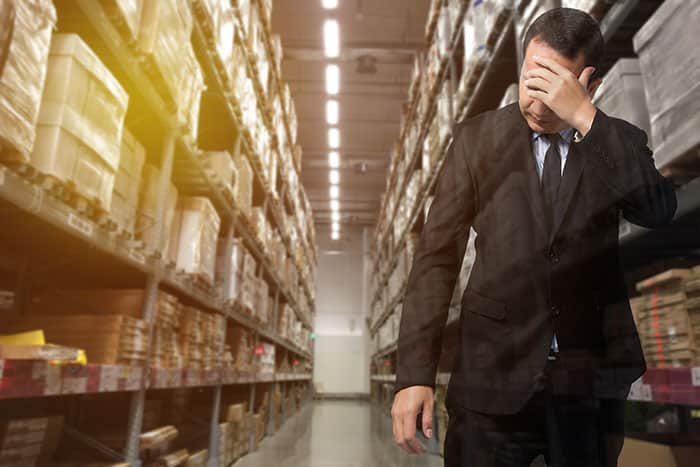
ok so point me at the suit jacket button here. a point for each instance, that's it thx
(553, 257)
(556, 311)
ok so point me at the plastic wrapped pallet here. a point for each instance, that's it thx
(244, 185)
(622, 94)
(197, 225)
(128, 13)
(148, 206)
(80, 124)
(23, 70)
(125, 197)
(234, 262)
(670, 65)
(164, 37)
(222, 166)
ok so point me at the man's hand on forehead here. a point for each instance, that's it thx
(562, 91)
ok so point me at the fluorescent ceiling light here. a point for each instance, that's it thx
(335, 235)
(333, 138)
(335, 226)
(332, 112)
(331, 38)
(335, 216)
(335, 205)
(329, 4)
(332, 79)
(334, 177)
(334, 159)
(335, 192)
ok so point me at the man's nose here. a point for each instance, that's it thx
(540, 109)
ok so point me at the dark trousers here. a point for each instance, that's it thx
(568, 430)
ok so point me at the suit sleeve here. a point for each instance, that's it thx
(619, 155)
(433, 275)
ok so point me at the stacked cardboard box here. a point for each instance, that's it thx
(29, 24)
(148, 205)
(243, 189)
(239, 340)
(666, 57)
(79, 131)
(164, 38)
(112, 339)
(201, 338)
(669, 318)
(222, 168)
(197, 459)
(194, 237)
(232, 263)
(116, 303)
(265, 360)
(125, 197)
(166, 329)
(29, 441)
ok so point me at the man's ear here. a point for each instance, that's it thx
(593, 86)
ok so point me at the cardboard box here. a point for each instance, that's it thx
(195, 235)
(146, 222)
(125, 197)
(666, 57)
(670, 281)
(25, 52)
(243, 189)
(637, 453)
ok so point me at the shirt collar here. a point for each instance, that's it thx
(566, 134)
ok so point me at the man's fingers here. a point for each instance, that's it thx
(427, 422)
(543, 73)
(552, 65)
(585, 76)
(539, 95)
(409, 433)
(538, 84)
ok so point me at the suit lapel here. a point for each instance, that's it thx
(567, 189)
(516, 145)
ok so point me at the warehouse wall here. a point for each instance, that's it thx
(341, 351)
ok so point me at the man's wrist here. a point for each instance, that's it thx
(584, 119)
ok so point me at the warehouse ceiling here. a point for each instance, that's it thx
(378, 40)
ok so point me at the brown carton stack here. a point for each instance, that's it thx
(664, 324)
(198, 459)
(112, 339)
(117, 303)
(125, 198)
(29, 441)
(239, 340)
(24, 70)
(692, 290)
(201, 338)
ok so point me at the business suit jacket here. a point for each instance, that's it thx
(529, 281)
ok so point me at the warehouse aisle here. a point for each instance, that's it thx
(335, 434)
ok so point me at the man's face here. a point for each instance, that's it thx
(538, 116)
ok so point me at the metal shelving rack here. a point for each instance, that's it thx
(180, 160)
(640, 247)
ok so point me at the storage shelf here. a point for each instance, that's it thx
(386, 351)
(38, 378)
(384, 378)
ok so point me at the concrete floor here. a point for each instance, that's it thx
(335, 434)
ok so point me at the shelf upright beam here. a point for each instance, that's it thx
(138, 398)
(216, 409)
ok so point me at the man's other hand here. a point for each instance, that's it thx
(408, 403)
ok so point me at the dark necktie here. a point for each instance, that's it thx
(551, 175)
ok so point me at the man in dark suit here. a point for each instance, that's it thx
(547, 345)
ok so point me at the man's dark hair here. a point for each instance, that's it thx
(569, 32)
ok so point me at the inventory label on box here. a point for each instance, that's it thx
(74, 385)
(81, 225)
(695, 375)
(132, 375)
(109, 378)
